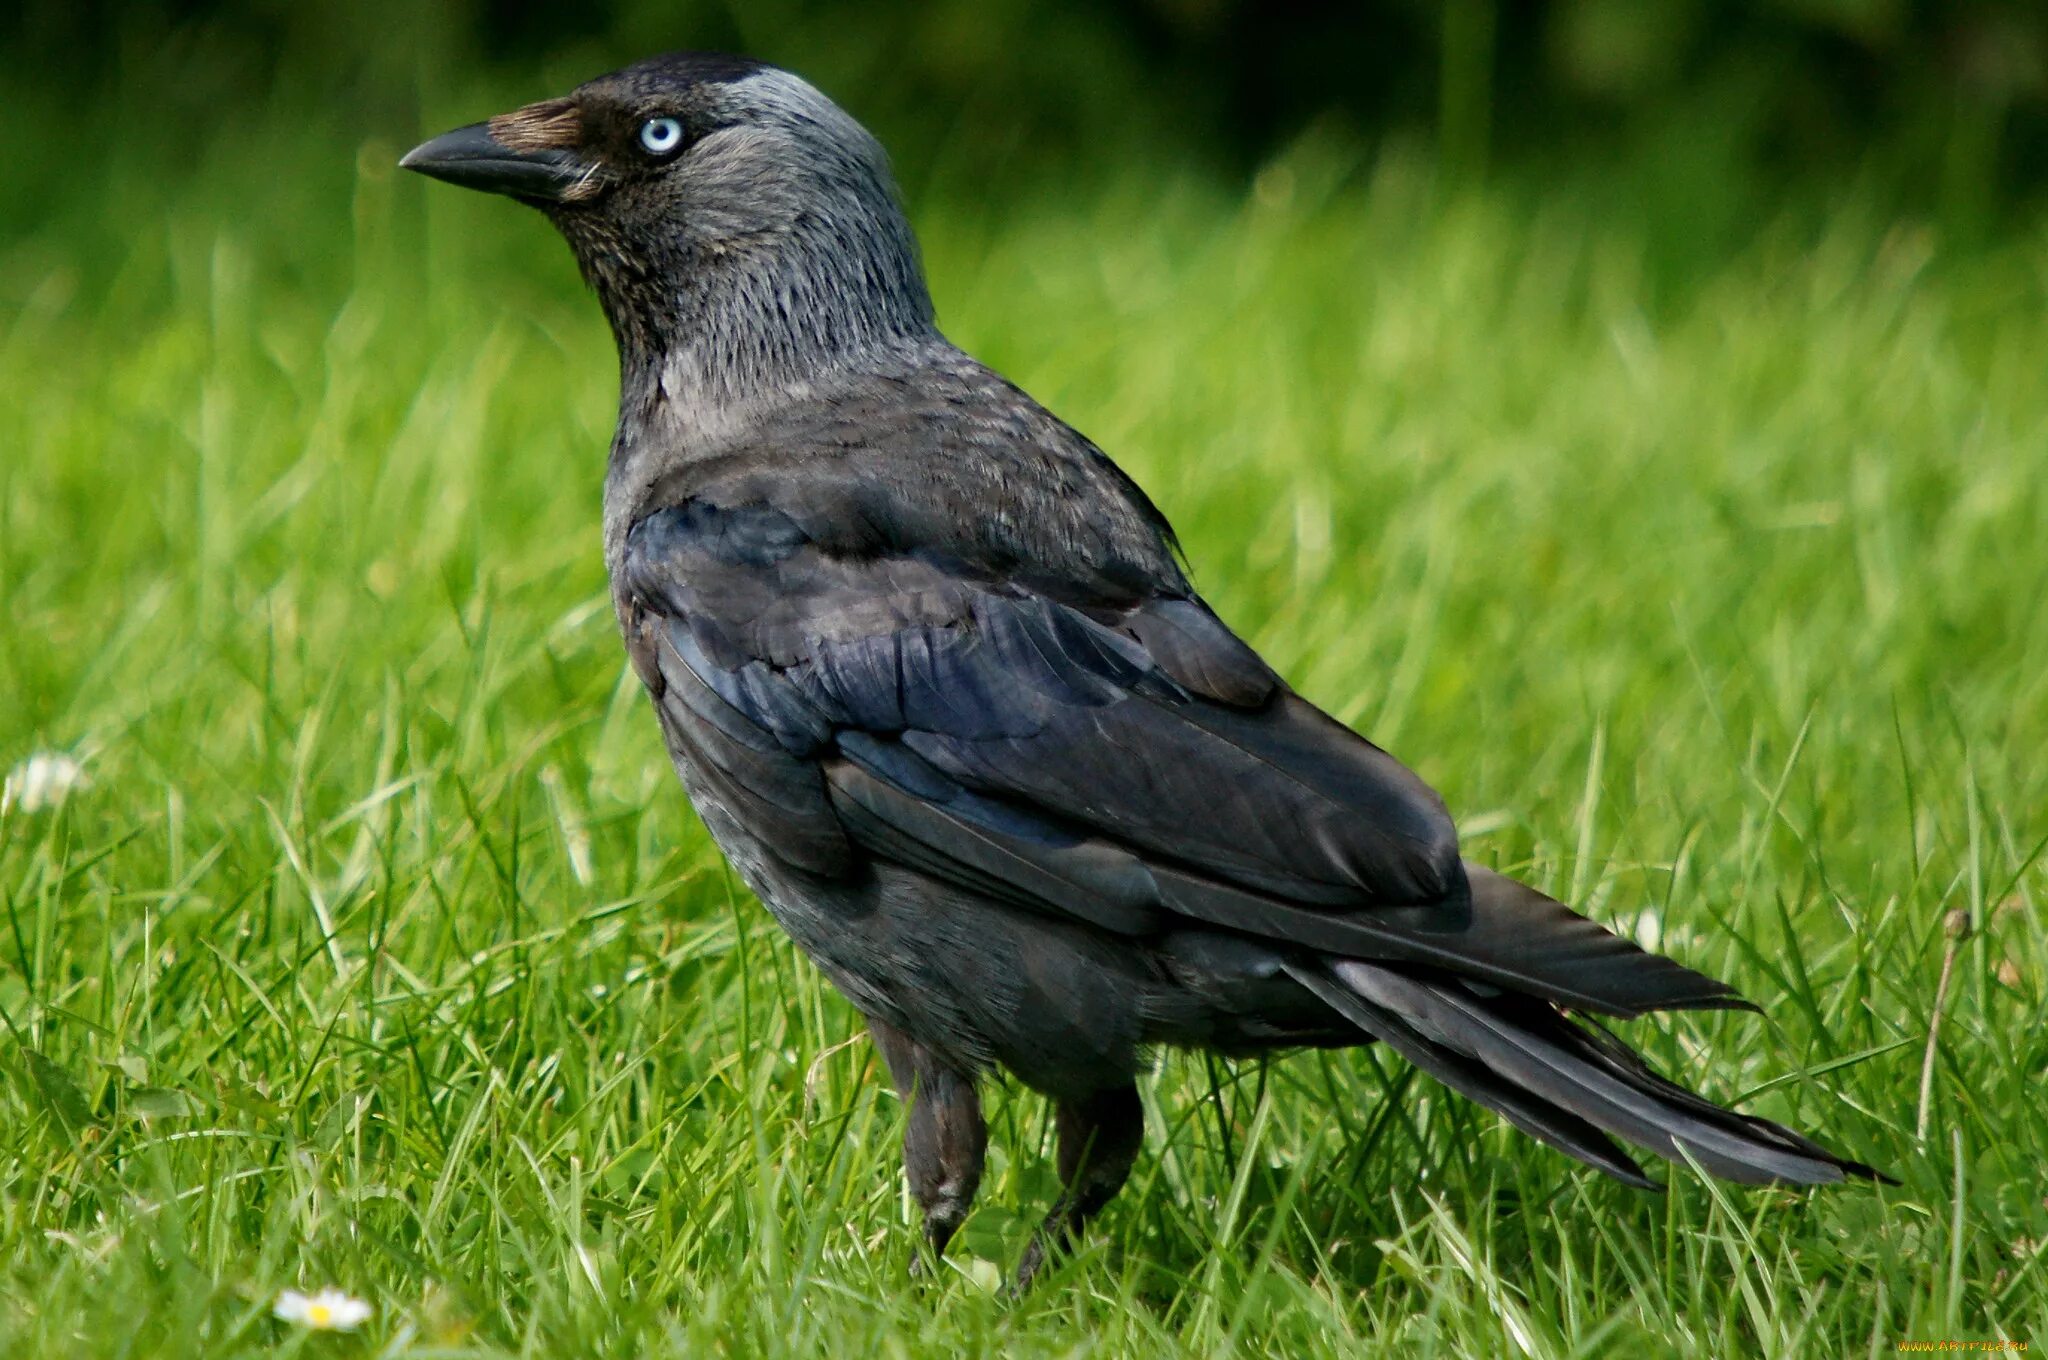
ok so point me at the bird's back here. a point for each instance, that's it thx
(911, 447)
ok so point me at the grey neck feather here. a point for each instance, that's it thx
(778, 265)
(779, 256)
(755, 320)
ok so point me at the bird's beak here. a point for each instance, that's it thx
(504, 157)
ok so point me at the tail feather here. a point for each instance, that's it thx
(1500, 932)
(1568, 1085)
(1533, 1115)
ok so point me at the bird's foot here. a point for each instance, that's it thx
(1029, 1265)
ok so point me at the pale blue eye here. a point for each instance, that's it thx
(661, 135)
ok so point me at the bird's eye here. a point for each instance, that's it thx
(660, 136)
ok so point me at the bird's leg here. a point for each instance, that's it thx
(944, 1136)
(1098, 1140)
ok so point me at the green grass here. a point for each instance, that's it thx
(384, 951)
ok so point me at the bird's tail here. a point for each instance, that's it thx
(1567, 1083)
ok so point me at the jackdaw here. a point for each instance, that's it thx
(930, 670)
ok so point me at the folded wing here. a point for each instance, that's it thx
(1070, 749)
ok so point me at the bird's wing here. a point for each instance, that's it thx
(1126, 761)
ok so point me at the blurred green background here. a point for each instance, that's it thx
(1935, 107)
(1948, 95)
(1631, 414)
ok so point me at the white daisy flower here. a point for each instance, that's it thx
(330, 1310)
(45, 779)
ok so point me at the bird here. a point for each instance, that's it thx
(932, 672)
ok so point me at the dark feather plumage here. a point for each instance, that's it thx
(929, 668)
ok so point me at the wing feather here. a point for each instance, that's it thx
(1128, 764)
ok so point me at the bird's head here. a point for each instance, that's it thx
(720, 207)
